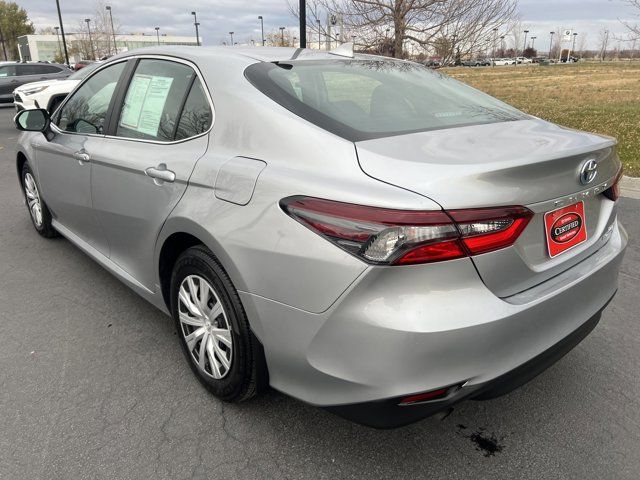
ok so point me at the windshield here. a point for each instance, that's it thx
(83, 72)
(365, 99)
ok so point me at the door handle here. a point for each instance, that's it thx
(82, 157)
(161, 173)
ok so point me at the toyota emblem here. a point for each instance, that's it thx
(588, 172)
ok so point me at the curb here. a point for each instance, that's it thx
(630, 187)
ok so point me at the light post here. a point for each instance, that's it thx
(282, 36)
(303, 23)
(93, 53)
(319, 35)
(294, 41)
(195, 22)
(551, 34)
(524, 47)
(64, 42)
(231, 34)
(57, 29)
(453, 46)
(158, 34)
(575, 34)
(113, 31)
(533, 43)
(493, 54)
(261, 27)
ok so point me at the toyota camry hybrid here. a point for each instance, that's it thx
(361, 233)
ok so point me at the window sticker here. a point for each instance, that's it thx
(145, 102)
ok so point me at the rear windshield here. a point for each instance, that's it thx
(364, 99)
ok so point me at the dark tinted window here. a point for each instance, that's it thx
(7, 71)
(153, 100)
(371, 98)
(86, 110)
(196, 114)
(37, 69)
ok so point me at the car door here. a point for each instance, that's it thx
(64, 163)
(155, 139)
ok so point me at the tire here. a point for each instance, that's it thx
(38, 210)
(233, 373)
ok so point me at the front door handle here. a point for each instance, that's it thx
(161, 173)
(82, 157)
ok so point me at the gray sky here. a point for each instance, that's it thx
(218, 17)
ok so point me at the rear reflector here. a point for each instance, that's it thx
(423, 397)
(402, 237)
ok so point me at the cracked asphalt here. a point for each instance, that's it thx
(93, 385)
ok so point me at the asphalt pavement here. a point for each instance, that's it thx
(93, 385)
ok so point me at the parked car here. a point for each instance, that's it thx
(478, 62)
(12, 75)
(520, 60)
(82, 63)
(433, 64)
(504, 61)
(571, 59)
(48, 94)
(301, 237)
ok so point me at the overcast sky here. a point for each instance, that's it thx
(218, 17)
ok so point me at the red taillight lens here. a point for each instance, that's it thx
(613, 192)
(402, 237)
(423, 397)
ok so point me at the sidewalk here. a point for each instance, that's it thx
(630, 187)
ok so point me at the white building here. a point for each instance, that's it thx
(45, 47)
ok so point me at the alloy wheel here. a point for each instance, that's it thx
(33, 199)
(205, 326)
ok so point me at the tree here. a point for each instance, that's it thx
(634, 28)
(470, 22)
(14, 23)
(101, 35)
(530, 52)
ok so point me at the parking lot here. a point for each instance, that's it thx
(93, 385)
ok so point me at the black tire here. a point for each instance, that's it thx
(247, 374)
(45, 229)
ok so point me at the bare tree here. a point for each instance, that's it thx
(468, 24)
(101, 34)
(603, 38)
(634, 28)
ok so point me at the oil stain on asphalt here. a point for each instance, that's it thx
(486, 443)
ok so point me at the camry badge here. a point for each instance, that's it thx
(588, 172)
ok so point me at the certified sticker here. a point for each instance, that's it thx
(565, 228)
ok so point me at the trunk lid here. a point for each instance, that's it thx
(529, 162)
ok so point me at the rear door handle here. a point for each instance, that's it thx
(161, 173)
(82, 157)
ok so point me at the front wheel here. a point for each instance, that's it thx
(213, 327)
(40, 214)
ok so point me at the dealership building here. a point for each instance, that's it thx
(45, 47)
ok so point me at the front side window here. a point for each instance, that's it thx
(86, 110)
(37, 69)
(155, 97)
(8, 71)
(369, 98)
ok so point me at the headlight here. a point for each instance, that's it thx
(31, 91)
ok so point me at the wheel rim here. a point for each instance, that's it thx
(205, 326)
(33, 199)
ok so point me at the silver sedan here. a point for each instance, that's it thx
(361, 233)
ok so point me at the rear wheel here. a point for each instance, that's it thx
(40, 214)
(213, 327)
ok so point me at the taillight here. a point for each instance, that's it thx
(613, 192)
(402, 237)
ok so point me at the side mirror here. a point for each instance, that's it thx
(36, 120)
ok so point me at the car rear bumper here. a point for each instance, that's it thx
(399, 331)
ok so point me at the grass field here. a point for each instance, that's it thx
(602, 98)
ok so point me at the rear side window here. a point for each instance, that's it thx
(196, 114)
(154, 99)
(37, 69)
(370, 98)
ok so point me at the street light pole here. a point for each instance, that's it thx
(575, 34)
(303, 23)
(93, 53)
(495, 40)
(524, 47)
(533, 43)
(113, 31)
(195, 22)
(57, 29)
(64, 42)
(158, 34)
(282, 36)
(231, 33)
(551, 34)
(319, 35)
(261, 27)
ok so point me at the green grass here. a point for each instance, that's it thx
(596, 97)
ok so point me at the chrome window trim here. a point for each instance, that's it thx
(195, 68)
